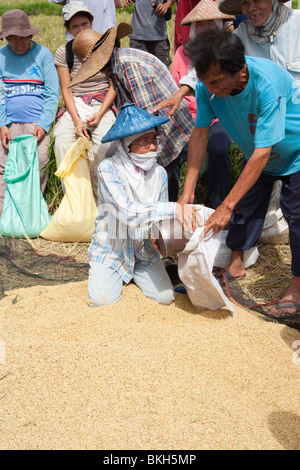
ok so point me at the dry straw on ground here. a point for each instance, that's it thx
(268, 279)
(265, 281)
(44, 247)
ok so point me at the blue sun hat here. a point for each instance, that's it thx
(132, 120)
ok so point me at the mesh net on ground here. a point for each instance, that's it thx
(21, 266)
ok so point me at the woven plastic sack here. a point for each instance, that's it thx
(275, 229)
(24, 209)
(223, 255)
(74, 220)
(195, 266)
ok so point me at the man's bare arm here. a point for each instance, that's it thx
(250, 174)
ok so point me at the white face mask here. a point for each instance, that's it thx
(145, 161)
(193, 33)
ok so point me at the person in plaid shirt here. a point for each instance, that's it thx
(141, 78)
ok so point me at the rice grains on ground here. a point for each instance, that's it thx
(138, 375)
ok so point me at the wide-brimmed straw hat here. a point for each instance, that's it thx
(233, 7)
(205, 10)
(131, 120)
(16, 23)
(95, 50)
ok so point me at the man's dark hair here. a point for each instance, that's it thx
(216, 46)
(80, 13)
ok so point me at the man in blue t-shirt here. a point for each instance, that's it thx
(258, 103)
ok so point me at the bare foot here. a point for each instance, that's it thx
(236, 267)
(290, 301)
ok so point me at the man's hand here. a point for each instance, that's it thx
(39, 133)
(127, 3)
(162, 8)
(173, 102)
(5, 136)
(218, 220)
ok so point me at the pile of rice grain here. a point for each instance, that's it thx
(138, 375)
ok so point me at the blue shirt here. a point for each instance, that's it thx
(265, 114)
(29, 86)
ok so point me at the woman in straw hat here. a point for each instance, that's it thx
(132, 195)
(29, 89)
(271, 31)
(181, 34)
(204, 14)
(143, 79)
(88, 110)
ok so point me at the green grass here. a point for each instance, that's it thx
(53, 193)
(33, 8)
(201, 192)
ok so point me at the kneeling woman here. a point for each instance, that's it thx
(133, 193)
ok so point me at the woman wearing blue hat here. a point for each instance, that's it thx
(133, 193)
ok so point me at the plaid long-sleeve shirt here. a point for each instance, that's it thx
(122, 226)
(141, 78)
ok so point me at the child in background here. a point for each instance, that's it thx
(149, 27)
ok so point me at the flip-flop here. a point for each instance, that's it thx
(234, 290)
(279, 304)
(225, 278)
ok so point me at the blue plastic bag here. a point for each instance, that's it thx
(24, 209)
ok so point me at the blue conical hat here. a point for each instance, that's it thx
(132, 120)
